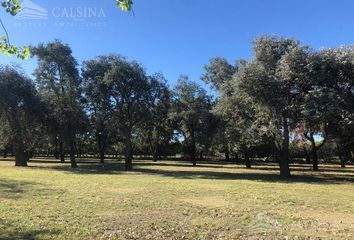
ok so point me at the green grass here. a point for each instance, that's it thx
(172, 200)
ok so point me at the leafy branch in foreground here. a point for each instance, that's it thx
(12, 7)
(125, 5)
(10, 50)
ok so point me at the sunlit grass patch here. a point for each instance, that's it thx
(172, 200)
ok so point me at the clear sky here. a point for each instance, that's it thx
(179, 36)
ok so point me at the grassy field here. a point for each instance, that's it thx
(172, 200)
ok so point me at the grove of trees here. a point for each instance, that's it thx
(288, 102)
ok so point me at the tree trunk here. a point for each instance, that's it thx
(247, 158)
(61, 151)
(62, 157)
(155, 156)
(314, 148)
(72, 155)
(201, 155)
(56, 149)
(101, 148)
(314, 155)
(18, 147)
(315, 160)
(227, 155)
(155, 152)
(284, 160)
(236, 159)
(128, 152)
(154, 149)
(21, 157)
(343, 161)
(307, 155)
(102, 151)
(72, 147)
(193, 151)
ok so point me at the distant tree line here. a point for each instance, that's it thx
(287, 101)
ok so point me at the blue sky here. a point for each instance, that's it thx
(180, 36)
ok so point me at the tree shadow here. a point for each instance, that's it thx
(86, 168)
(308, 168)
(10, 232)
(270, 166)
(254, 176)
(182, 164)
(14, 189)
(268, 173)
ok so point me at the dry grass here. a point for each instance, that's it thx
(172, 200)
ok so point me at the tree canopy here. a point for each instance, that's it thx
(287, 102)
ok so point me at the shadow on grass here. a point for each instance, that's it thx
(9, 232)
(186, 164)
(267, 172)
(13, 189)
(257, 166)
(86, 168)
(267, 166)
(307, 168)
(258, 173)
(264, 177)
